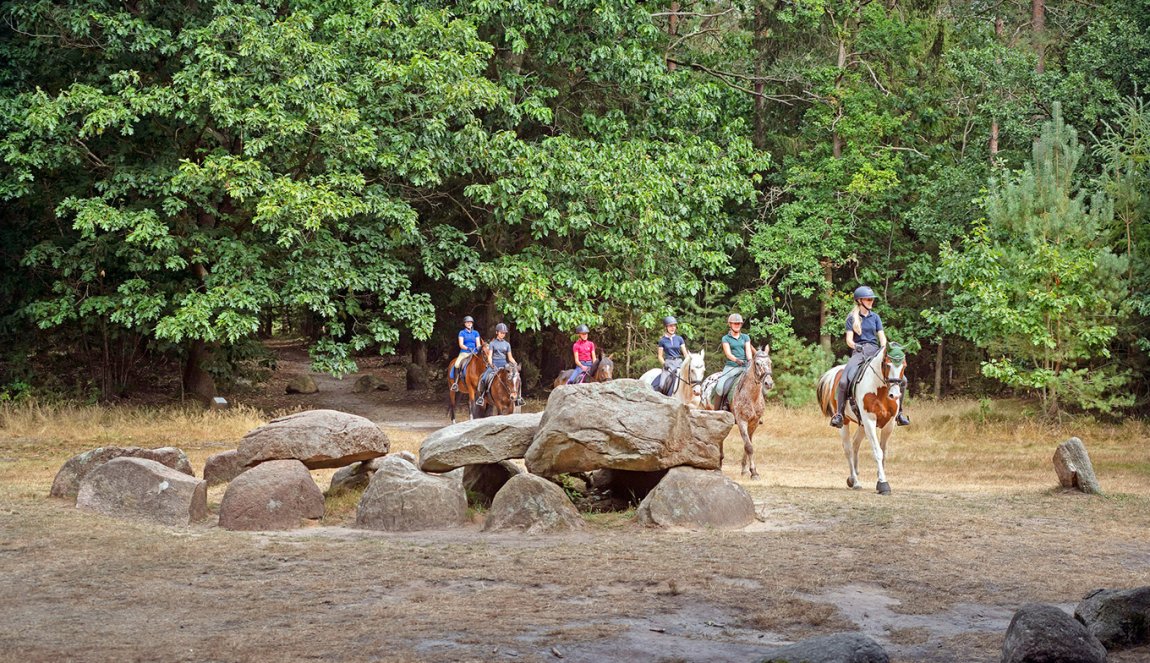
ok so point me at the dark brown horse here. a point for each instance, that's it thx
(501, 394)
(601, 371)
(468, 384)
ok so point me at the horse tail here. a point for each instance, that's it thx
(826, 391)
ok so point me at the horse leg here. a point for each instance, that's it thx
(749, 447)
(884, 435)
(852, 453)
(869, 424)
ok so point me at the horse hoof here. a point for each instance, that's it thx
(851, 483)
(754, 476)
(883, 488)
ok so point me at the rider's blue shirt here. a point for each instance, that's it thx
(871, 326)
(672, 346)
(470, 340)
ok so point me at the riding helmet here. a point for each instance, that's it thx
(864, 292)
(501, 328)
(582, 329)
(734, 317)
(670, 320)
(468, 318)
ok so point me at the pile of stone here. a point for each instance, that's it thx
(1104, 621)
(630, 439)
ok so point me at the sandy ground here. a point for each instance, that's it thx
(934, 574)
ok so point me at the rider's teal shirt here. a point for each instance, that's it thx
(738, 347)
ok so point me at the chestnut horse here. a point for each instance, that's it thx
(601, 371)
(468, 384)
(877, 395)
(501, 393)
(747, 403)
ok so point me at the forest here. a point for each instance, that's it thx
(181, 180)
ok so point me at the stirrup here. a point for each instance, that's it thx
(455, 386)
(520, 402)
(479, 402)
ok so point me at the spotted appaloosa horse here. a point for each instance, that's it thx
(877, 394)
(746, 403)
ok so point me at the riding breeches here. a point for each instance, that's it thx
(581, 368)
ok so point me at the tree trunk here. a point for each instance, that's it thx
(994, 121)
(758, 52)
(672, 29)
(197, 382)
(824, 336)
(938, 370)
(419, 353)
(1038, 24)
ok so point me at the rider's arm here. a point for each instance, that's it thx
(881, 339)
(727, 351)
(661, 360)
(510, 357)
(749, 349)
(461, 344)
(850, 339)
(487, 353)
(575, 354)
(594, 353)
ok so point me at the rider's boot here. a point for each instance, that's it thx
(901, 419)
(841, 400)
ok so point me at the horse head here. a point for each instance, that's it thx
(894, 370)
(697, 370)
(763, 367)
(605, 370)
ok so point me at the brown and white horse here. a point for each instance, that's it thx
(746, 403)
(877, 394)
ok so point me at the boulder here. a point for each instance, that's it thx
(837, 648)
(478, 442)
(1044, 634)
(626, 485)
(128, 487)
(409, 457)
(367, 383)
(534, 505)
(301, 384)
(317, 438)
(401, 498)
(1119, 618)
(623, 425)
(416, 377)
(67, 481)
(353, 477)
(1074, 469)
(482, 482)
(222, 467)
(276, 495)
(697, 499)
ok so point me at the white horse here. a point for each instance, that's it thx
(689, 377)
(877, 395)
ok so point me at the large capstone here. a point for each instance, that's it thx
(317, 438)
(1044, 633)
(276, 495)
(533, 505)
(402, 498)
(697, 499)
(623, 425)
(837, 648)
(478, 442)
(1073, 467)
(67, 481)
(139, 488)
(1119, 618)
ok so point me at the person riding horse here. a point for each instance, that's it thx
(737, 347)
(672, 351)
(866, 338)
(584, 352)
(499, 355)
(469, 344)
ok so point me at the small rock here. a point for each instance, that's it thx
(128, 487)
(318, 438)
(367, 383)
(276, 495)
(837, 648)
(1074, 469)
(1044, 634)
(301, 384)
(401, 498)
(697, 499)
(222, 467)
(482, 482)
(67, 481)
(478, 442)
(1119, 618)
(534, 505)
(353, 477)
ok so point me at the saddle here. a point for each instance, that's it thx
(668, 380)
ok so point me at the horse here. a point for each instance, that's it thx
(747, 403)
(877, 394)
(501, 393)
(602, 370)
(687, 380)
(468, 384)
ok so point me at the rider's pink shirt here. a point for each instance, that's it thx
(584, 349)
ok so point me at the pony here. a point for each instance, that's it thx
(688, 379)
(747, 403)
(877, 393)
(468, 384)
(602, 370)
(501, 393)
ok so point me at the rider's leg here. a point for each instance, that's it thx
(840, 402)
(901, 419)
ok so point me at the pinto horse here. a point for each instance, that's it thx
(747, 403)
(877, 394)
(468, 384)
(501, 394)
(687, 380)
(602, 370)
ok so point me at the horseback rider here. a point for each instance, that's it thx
(737, 348)
(469, 344)
(866, 338)
(584, 352)
(672, 352)
(498, 353)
